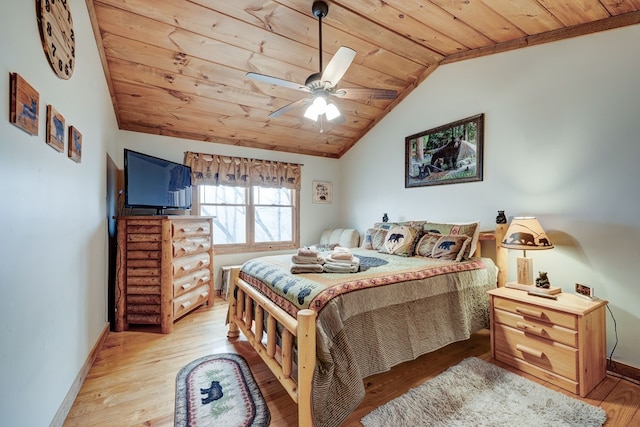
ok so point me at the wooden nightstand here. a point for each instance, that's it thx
(561, 341)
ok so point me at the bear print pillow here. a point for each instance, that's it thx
(401, 240)
(450, 247)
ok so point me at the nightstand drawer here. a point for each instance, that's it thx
(552, 378)
(552, 356)
(539, 313)
(535, 327)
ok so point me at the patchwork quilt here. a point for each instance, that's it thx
(393, 310)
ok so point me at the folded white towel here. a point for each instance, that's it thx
(306, 268)
(310, 251)
(299, 259)
(341, 255)
(333, 267)
(346, 261)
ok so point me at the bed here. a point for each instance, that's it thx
(321, 334)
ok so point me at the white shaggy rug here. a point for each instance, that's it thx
(477, 393)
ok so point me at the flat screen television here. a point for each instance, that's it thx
(154, 183)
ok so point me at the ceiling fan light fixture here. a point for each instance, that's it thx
(316, 109)
(311, 113)
(332, 111)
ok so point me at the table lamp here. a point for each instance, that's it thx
(526, 233)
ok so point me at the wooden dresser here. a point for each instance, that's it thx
(164, 269)
(561, 341)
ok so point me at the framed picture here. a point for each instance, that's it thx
(584, 290)
(448, 154)
(55, 129)
(75, 144)
(24, 105)
(322, 192)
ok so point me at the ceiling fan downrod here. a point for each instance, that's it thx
(320, 9)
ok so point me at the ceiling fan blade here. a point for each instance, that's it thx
(365, 93)
(276, 81)
(338, 65)
(291, 106)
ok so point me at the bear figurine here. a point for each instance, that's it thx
(543, 280)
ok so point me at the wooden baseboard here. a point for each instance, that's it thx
(65, 407)
(626, 371)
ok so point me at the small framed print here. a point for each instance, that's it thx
(24, 105)
(55, 129)
(322, 192)
(75, 144)
(584, 290)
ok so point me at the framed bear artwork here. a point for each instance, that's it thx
(448, 154)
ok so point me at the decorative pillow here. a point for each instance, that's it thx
(469, 229)
(368, 239)
(451, 247)
(401, 240)
(389, 225)
(426, 244)
(374, 239)
(378, 239)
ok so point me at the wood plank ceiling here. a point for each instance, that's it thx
(177, 67)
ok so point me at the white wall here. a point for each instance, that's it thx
(313, 217)
(561, 142)
(53, 252)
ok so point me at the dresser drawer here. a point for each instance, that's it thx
(535, 327)
(190, 246)
(189, 228)
(187, 302)
(191, 281)
(185, 265)
(555, 357)
(539, 313)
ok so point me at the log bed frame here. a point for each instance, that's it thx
(279, 359)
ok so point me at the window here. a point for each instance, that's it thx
(248, 219)
(255, 203)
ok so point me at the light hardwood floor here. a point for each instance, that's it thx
(132, 382)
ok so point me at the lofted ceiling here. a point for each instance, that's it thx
(178, 67)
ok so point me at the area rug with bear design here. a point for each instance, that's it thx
(219, 390)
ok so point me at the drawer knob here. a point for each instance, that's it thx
(529, 328)
(529, 312)
(185, 304)
(530, 351)
(186, 286)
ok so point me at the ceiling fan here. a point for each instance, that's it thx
(323, 84)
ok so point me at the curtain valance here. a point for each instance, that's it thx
(211, 169)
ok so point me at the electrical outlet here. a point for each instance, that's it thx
(584, 290)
